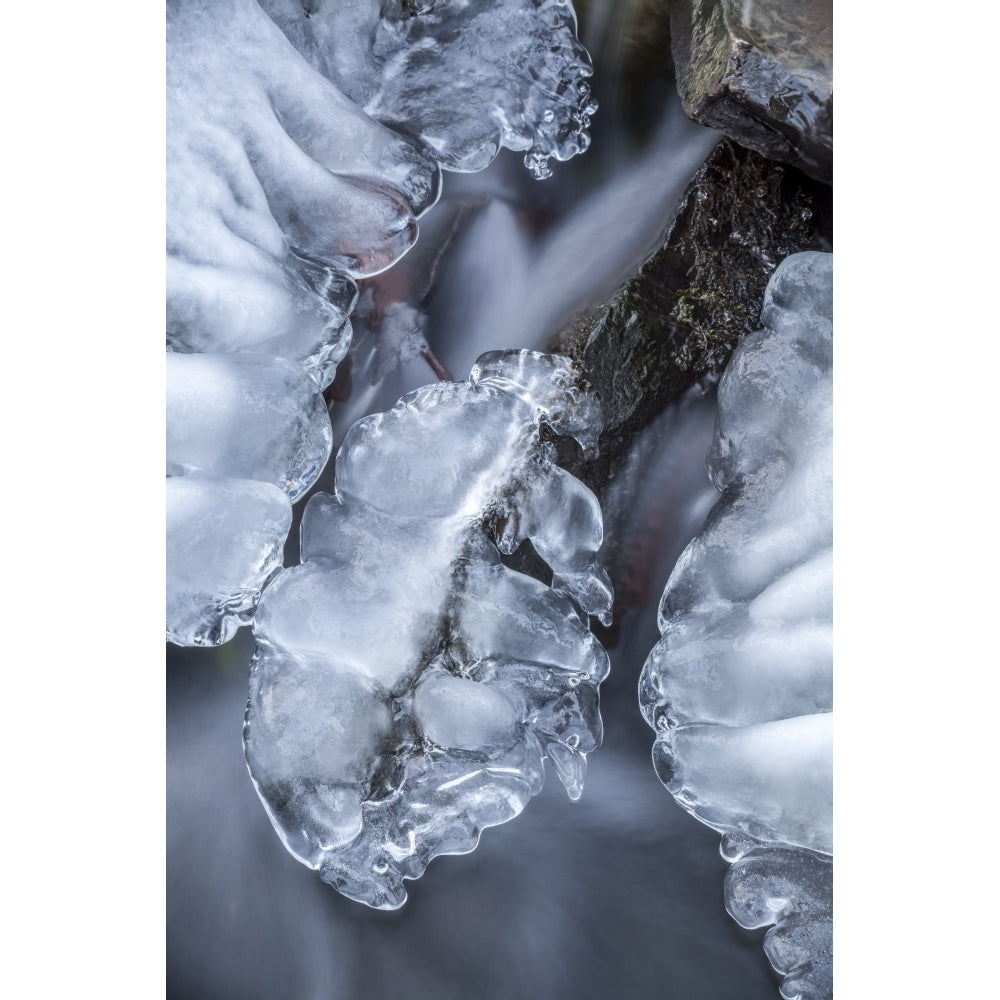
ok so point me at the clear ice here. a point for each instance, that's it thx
(739, 689)
(793, 891)
(465, 76)
(407, 682)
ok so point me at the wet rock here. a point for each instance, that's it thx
(678, 319)
(762, 73)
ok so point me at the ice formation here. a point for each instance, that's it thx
(245, 417)
(739, 687)
(793, 890)
(225, 539)
(246, 437)
(408, 683)
(466, 76)
(280, 191)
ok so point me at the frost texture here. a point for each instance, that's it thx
(466, 76)
(407, 683)
(739, 687)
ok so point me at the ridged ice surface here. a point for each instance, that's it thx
(225, 540)
(739, 688)
(466, 76)
(407, 683)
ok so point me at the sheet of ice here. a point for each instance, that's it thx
(407, 683)
(225, 540)
(244, 417)
(740, 686)
(466, 76)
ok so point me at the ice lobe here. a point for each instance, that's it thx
(740, 686)
(225, 539)
(280, 191)
(407, 682)
(246, 437)
(292, 310)
(246, 417)
(466, 76)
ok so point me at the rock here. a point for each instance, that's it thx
(678, 319)
(761, 73)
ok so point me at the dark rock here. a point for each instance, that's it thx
(678, 319)
(761, 73)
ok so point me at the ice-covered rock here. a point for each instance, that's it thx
(739, 687)
(407, 683)
(466, 76)
(679, 316)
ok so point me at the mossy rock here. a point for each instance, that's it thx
(679, 318)
(762, 75)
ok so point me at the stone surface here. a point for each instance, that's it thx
(762, 73)
(678, 319)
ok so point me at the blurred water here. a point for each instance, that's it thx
(504, 261)
(619, 894)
